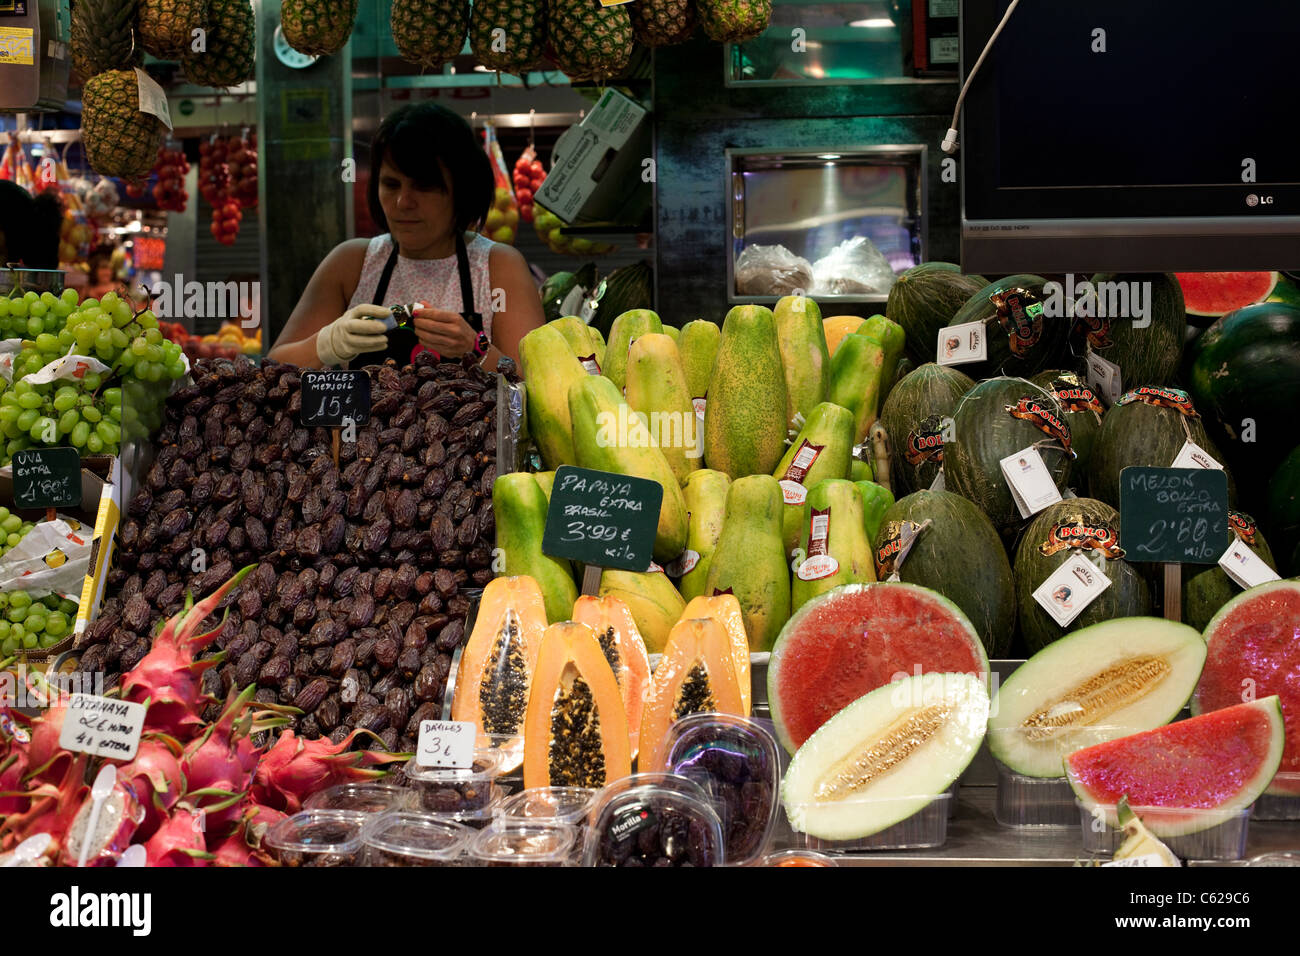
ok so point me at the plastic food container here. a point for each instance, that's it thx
(1225, 841)
(736, 762)
(548, 805)
(1034, 802)
(925, 829)
(658, 824)
(398, 838)
(459, 793)
(317, 838)
(1276, 806)
(366, 797)
(790, 858)
(523, 844)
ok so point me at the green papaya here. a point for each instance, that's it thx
(857, 372)
(609, 436)
(520, 509)
(597, 343)
(626, 328)
(698, 347)
(876, 500)
(576, 334)
(860, 470)
(804, 357)
(750, 560)
(546, 481)
(650, 596)
(892, 339)
(656, 387)
(745, 426)
(705, 492)
(833, 542)
(823, 449)
(673, 332)
(549, 368)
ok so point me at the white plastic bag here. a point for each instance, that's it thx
(854, 267)
(52, 557)
(772, 270)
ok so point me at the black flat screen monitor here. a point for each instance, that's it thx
(1168, 141)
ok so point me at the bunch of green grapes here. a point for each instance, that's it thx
(110, 330)
(12, 530)
(29, 624)
(82, 415)
(30, 315)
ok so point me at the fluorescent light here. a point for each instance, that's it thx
(828, 155)
(876, 23)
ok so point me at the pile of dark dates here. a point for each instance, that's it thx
(359, 597)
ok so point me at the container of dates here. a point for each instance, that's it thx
(467, 796)
(548, 805)
(362, 797)
(736, 762)
(401, 838)
(512, 843)
(654, 820)
(317, 838)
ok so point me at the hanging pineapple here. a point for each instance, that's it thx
(428, 33)
(663, 22)
(227, 57)
(508, 35)
(590, 42)
(318, 27)
(734, 21)
(167, 26)
(104, 36)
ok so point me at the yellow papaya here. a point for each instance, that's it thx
(546, 481)
(520, 509)
(575, 332)
(834, 543)
(889, 335)
(705, 492)
(650, 596)
(597, 343)
(823, 449)
(656, 387)
(804, 356)
(673, 332)
(625, 330)
(549, 367)
(838, 326)
(745, 425)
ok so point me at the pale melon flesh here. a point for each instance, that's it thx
(1099, 683)
(886, 756)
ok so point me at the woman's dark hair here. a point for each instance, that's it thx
(31, 226)
(414, 139)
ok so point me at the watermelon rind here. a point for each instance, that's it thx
(1045, 680)
(1196, 302)
(787, 641)
(907, 787)
(1257, 670)
(1180, 813)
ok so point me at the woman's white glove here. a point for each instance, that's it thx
(353, 333)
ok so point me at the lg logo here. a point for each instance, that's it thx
(1253, 200)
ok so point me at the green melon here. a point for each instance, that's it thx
(1082, 526)
(1082, 411)
(959, 555)
(924, 300)
(1019, 343)
(1208, 588)
(1147, 354)
(913, 419)
(1284, 510)
(985, 432)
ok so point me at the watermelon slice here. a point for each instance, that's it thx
(1184, 777)
(851, 640)
(1217, 293)
(1252, 648)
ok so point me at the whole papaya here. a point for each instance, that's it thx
(750, 560)
(745, 425)
(520, 508)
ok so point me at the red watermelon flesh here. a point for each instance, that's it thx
(853, 639)
(1217, 293)
(1217, 763)
(1253, 645)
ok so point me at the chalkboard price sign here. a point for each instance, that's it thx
(603, 519)
(47, 478)
(334, 397)
(1173, 515)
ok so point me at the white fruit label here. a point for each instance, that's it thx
(793, 493)
(684, 563)
(700, 404)
(817, 567)
(654, 567)
(1244, 566)
(1070, 588)
(590, 364)
(448, 744)
(959, 344)
(1146, 859)
(1105, 377)
(102, 727)
(939, 484)
(1192, 455)
(1030, 482)
(152, 98)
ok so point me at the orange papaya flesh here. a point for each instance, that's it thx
(623, 647)
(576, 731)
(696, 675)
(497, 665)
(725, 609)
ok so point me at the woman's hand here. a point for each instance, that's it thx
(445, 332)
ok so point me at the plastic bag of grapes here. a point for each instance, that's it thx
(49, 556)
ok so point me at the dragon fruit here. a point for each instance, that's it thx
(294, 768)
(216, 770)
(179, 841)
(50, 807)
(156, 777)
(13, 768)
(168, 677)
(46, 760)
(119, 816)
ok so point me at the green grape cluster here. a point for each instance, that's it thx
(60, 414)
(33, 624)
(31, 315)
(12, 530)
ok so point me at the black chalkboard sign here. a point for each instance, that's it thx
(47, 478)
(604, 519)
(1173, 515)
(333, 397)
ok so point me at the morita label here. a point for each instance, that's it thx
(819, 563)
(802, 462)
(684, 563)
(590, 364)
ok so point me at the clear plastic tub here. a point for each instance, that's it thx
(1223, 841)
(1276, 806)
(514, 843)
(1034, 802)
(790, 858)
(460, 793)
(736, 762)
(362, 797)
(548, 805)
(398, 838)
(925, 829)
(317, 838)
(658, 824)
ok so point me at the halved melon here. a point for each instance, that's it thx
(496, 667)
(725, 609)
(849, 641)
(1139, 841)
(1184, 777)
(576, 729)
(619, 638)
(696, 675)
(886, 756)
(1096, 684)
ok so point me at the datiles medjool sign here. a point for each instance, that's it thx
(602, 519)
(335, 397)
(1174, 515)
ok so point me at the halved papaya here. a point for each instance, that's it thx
(496, 667)
(697, 675)
(621, 642)
(576, 730)
(725, 609)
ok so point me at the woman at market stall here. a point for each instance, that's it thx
(430, 182)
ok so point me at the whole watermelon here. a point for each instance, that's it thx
(913, 419)
(1082, 412)
(924, 300)
(1148, 351)
(1284, 511)
(1208, 588)
(1022, 340)
(1089, 528)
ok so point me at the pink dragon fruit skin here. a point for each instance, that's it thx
(156, 777)
(178, 842)
(46, 760)
(13, 768)
(50, 807)
(294, 768)
(214, 767)
(119, 818)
